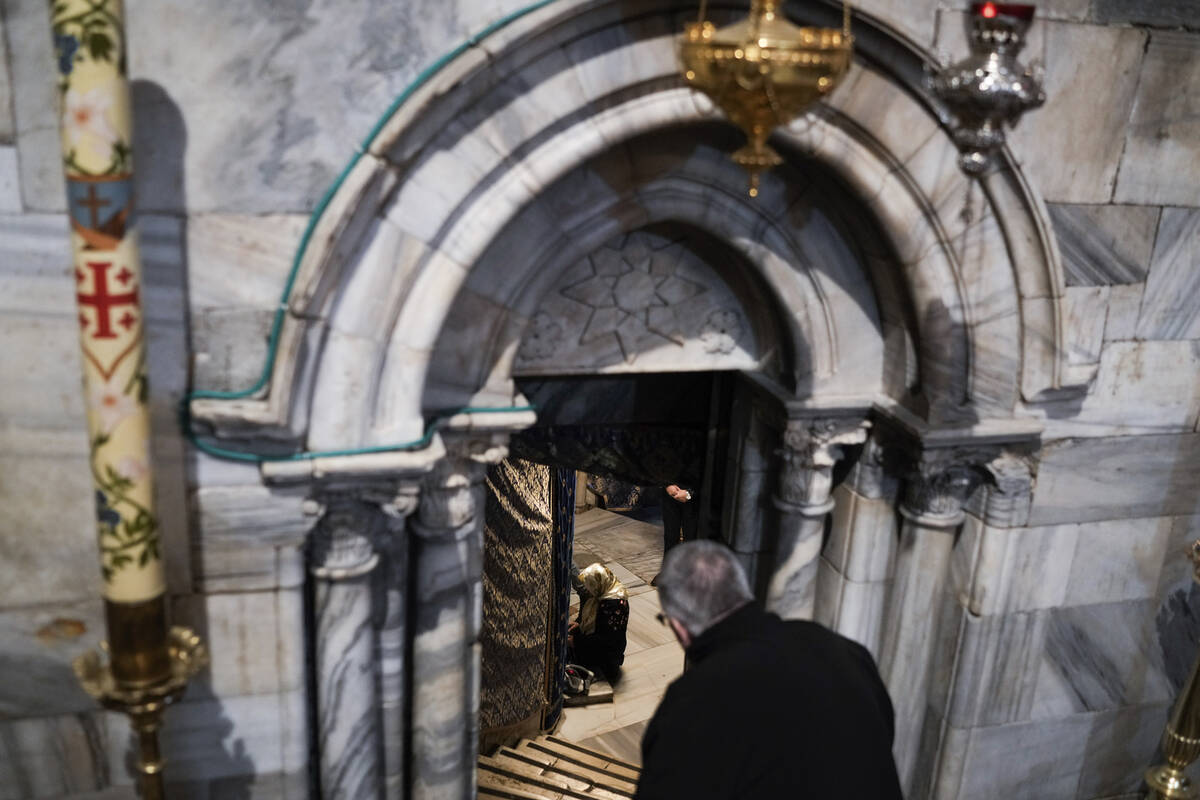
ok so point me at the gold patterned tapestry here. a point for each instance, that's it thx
(517, 584)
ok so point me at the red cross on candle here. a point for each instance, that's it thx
(104, 301)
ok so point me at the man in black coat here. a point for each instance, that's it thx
(767, 709)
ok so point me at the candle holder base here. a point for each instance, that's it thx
(145, 704)
(1168, 783)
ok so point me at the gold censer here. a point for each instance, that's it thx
(763, 72)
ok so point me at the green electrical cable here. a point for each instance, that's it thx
(281, 310)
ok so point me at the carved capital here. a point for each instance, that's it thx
(941, 481)
(872, 476)
(810, 449)
(452, 497)
(1008, 491)
(343, 545)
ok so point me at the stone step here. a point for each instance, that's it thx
(569, 751)
(534, 759)
(548, 768)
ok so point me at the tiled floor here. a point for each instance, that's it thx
(633, 551)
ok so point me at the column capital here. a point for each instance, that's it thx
(940, 481)
(452, 495)
(343, 543)
(811, 446)
(872, 475)
(1007, 491)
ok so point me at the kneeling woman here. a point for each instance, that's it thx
(596, 639)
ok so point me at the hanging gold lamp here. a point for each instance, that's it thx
(763, 72)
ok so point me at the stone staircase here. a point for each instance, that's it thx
(549, 768)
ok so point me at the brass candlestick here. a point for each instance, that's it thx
(1181, 739)
(146, 665)
(179, 658)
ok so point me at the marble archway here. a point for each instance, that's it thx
(898, 294)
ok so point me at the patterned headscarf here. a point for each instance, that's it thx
(595, 583)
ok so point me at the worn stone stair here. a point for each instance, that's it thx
(549, 768)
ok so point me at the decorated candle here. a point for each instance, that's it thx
(94, 101)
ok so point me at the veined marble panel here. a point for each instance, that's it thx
(248, 538)
(255, 641)
(1143, 387)
(1117, 560)
(1176, 570)
(1086, 315)
(7, 129)
(1003, 570)
(1123, 477)
(39, 644)
(1100, 657)
(274, 786)
(1124, 304)
(231, 738)
(10, 179)
(229, 347)
(1161, 161)
(1096, 101)
(852, 608)
(49, 545)
(1169, 308)
(1160, 13)
(1071, 10)
(914, 19)
(985, 669)
(1122, 744)
(35, 264)
(1104, 245)
(1019, 761)
(53, 757)
(240, 261)
(862, 539)
(35, 104)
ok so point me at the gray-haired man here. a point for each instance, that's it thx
(767, 709)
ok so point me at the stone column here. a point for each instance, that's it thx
(931, 512)
(393, 655)
(448, 594)
(856, 564)
(343, 556)
(810, 449)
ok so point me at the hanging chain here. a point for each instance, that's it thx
(846, 18)
(703, 10)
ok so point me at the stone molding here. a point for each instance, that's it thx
(1000, 317)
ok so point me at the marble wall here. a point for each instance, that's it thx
(1067, 637)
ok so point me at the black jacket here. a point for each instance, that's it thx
(773, 710)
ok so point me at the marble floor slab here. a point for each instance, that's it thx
(653, 659)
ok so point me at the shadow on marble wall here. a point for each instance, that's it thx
(205, 755)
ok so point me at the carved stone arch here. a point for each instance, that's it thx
(483, 141)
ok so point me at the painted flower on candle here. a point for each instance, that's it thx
(111, 405)
(105, 512)
(85, 117)
(67, 46)
(132, 468)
